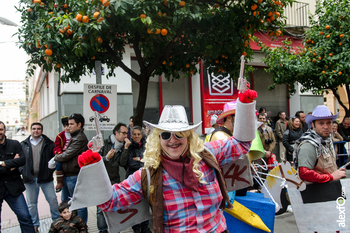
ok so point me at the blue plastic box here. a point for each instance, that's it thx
(259, 205)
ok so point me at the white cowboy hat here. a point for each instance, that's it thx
(173, 119)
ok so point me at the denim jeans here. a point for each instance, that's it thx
(101, 221)
(32, 193)
(19, 207)
(67, 194)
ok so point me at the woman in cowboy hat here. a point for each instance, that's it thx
(314, 150)
(187, 191)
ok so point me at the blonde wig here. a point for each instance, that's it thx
(151, 156)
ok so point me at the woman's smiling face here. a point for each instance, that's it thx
(174, 147)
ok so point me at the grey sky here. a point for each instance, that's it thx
(12, 59)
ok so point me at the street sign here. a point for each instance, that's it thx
(101, 98)
(99, 103)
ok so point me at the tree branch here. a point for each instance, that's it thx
(118, 62)
(138, 52)
(334, 90)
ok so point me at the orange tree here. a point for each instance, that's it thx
(324, 62)
(169, 36)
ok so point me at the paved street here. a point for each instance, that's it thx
(284, 223)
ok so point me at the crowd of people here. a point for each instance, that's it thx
(173, 146)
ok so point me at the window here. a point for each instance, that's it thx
(9, 103)
(14, 102)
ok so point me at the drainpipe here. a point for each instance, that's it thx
(59, 108)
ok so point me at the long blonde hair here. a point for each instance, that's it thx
(151, 156)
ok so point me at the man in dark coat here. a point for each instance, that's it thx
(69, 158)
(115, 154)
(38, 149)
(11, 184)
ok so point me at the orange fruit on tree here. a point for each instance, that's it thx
(328, 36)
(272, 18)
(256, 12)
(100, 19)
(142, 16)
(106, 3)
(216, 61)
(61, 31)
(331, 54)
(260, 1)
(268, 20)
(164, 15)
(58, 65)
(341, 35)
(96, 14)
(320, 58)
(157, 31)
(165, 3)
(65, 5)
(340, 73)
(78, 17)
(328, 27)
(182, 3)
(270, 14)
(100, 40)
(69, 32)
(187, 65)
(340, 43)
(164, 32)
(164, 62)
(323, 72)
(321, 33)
(85, 19)
(314, 54)
(37, 1)
(48, 52)
(170, 63)
(159, 13)
(278, 32)
(244, 54)
(149, 31)
(191, 72)
(253, 7)
(93, 58)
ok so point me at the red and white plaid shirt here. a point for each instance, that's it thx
(185, 210)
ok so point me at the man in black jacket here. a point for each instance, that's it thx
(11, 184)
(114, 153)
(69, 158)
(38, 149)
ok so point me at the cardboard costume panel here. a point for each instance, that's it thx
(237, 174)
(94, 188)
(329, 216)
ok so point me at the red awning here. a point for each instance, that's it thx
(275, 43)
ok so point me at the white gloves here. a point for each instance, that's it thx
(52, 163)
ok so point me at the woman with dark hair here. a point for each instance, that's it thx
(136, 150)
(293, 133)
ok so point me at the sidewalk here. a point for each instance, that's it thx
(9, 222)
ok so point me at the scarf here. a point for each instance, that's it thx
(323, 145)
(181, 170)
(117, 145)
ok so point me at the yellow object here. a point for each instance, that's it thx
(242, 213)
(256, 149)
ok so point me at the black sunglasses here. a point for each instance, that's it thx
(167, 135)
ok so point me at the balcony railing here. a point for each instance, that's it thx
(297, 15)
